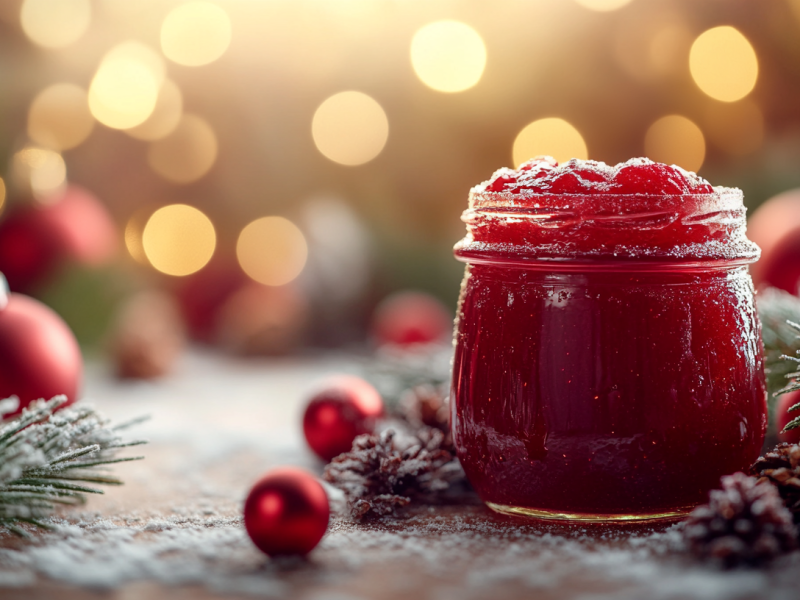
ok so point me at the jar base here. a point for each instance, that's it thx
(552, 515)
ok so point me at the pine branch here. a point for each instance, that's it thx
(779, 312)
(46, 457)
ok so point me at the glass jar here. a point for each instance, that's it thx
(608, 357)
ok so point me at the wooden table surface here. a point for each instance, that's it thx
(174, 530)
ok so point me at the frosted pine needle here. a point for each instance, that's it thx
(50, 458)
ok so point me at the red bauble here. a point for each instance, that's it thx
(783, 416)
(86, 231)
(775, 227)
(202, 295)
(35, 240)
(39, 356)
(286, 512)
(408, 318)
(343, 409)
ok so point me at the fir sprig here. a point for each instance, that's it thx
(48, 457)
(794, 380)
(779, 312)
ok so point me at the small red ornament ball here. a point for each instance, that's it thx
(286, 512)
(39, 356)
(775, 227)
(344, 408)
(408, 318)
(783, 416)
(37, 240)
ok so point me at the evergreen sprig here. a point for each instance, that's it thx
(47, 458)
(794, 379)
(779, 312)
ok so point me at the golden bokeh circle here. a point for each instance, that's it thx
(132, 235)
(2, 194)
(55, 23)
(125, 88)
(448, 56)
(165, 116)
(178, 240)
(195, 33)
(676, 140)
(603, 5)
(549, 137)
(350, 128)
(272, 250)
(186, 154)
(724, 64)
(39, 171)
(59, 117)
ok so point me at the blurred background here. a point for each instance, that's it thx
(268, 175)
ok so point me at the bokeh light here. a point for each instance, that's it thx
(603, 5)
(272, 250)
(179, 240)
(350, 128)
(552, 137)
(55, 23)
(737, 128)
(724, 64)
(195, 33)
(2, 194)
(134, 229)
(165, 116)
(676, 140)
(40, 172)
(59, 117)
(448, 56)
(186, 154)
(124, 91)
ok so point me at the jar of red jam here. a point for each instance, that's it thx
(608, 357)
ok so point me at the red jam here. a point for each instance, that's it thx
(608, 357)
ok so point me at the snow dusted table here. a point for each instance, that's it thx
(174, 530)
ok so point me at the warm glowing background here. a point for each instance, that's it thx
(331, 144)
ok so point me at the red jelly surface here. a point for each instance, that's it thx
(608, 354)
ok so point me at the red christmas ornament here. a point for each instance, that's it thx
(783, 416)
(39, 356)
(202, 295)
(345, 408)
(775, 227)
(86, 231)
(286, 512)
(35, 240)
(408, 318)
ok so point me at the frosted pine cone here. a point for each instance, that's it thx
(743, 523)
(781, 467)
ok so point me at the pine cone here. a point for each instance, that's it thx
(781, 467)
(744, 523)
(383, 472)
(426, 406)
(147, 338)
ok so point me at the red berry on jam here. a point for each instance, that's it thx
(500, 184)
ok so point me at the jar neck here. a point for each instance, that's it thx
(685, 229)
